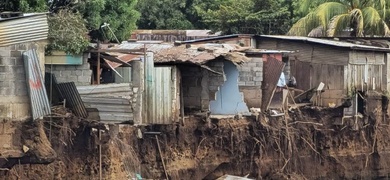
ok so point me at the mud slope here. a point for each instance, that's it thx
(310, 143)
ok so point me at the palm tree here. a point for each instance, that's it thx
(331, 17)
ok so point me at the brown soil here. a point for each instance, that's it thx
(309, 144)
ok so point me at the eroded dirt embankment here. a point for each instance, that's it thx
(309, 144)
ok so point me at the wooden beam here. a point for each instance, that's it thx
(124, 51)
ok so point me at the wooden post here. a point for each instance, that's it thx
(98, 65)
(162, 158)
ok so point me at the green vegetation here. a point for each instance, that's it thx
(359, 17)
(294, 17)
(67, 32)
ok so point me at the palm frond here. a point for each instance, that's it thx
(327, 11)
(358, 18)
(338, 24)
(319, 17)
(373, 22)
(303, 26)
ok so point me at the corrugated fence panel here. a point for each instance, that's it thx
(113, 101)
(40, 105)
(23, 29)
(161, 100)
(73, 99)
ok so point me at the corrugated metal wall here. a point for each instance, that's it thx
(29, 28)
(161, 100)
(40, 105)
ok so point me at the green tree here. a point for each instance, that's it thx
(24, 5)
(67, 32)
(249, 16)
(119, 14)
(332, 17)
(164, 14)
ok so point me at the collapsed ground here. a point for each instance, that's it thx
(310, 143)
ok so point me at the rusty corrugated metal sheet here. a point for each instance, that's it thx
(73, 99)
(328, 42)
(30, 27)
(201, 54)
(113, 101)
(40, 105)
(271, 74)
(161, 100)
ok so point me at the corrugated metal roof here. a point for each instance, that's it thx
(39, 101)
(155, 47)
(150, 47)
(328, 42)
(30, 27)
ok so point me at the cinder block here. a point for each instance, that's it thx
(18, 69)
(20, 84)
(70, 67)
(5, 91)
(259, 64)
(5, 53)
(246, 68)
(258, 83)
(87, 72)
(250, 64)
(78, 72)
(7, 61)
(71, 79)
(59, 67)
(4, 84)
(61, 79)
(257, 60)
(84, 79)
(16, 53)
(249, 83)
(243, 79)
(259, 74)
(66, 73)
(257, 69)
(257, 78)
(21, 92)
(3, 69)
(241, 83)
(19, 61)
(245, 74)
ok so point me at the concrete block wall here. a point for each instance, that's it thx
(79, 74)
(250, 79)
(192, 86)
(14, 100)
